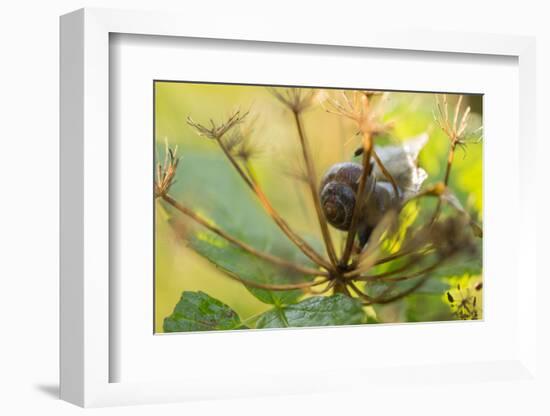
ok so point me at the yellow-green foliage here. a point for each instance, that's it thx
(204, 176)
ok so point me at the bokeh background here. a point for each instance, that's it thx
(208, 184)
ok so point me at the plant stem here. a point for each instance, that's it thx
(340, 287)
(386, 173)
(450, 160)
(359, 292)
(453, 133)
(367, 146)
(265, 256)
(375, 277)
(285, 228)
(395, 256)
(416, 286)
(271, 286)
(328, 287)
(415, 274)
(312, 179)
(383, 300)
(384, 276)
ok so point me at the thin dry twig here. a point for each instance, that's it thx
(283, 225)
(216, 133)
(166, 172)
(358, 107)
(312, 182)
(246, 247)
(350, 239)
(271, 286)
(385, 172)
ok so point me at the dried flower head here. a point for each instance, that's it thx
(166, 171)
(457, 131)
(217, 131)
(296, 99)
(365, 108)
(242, 143)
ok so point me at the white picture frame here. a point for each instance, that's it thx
(86, 301)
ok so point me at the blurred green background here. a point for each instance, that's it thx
(208, 184)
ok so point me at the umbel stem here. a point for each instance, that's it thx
(312, 182)
(285, 228)
(454, 132)
(246, 247)
(350, 239)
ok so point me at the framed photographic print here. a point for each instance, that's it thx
(232, 203)
(299, 258)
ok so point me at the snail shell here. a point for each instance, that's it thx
(338, 192)
(338, 189)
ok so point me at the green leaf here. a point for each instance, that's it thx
(232, 259)
(212, 184)
(333, 310)
(278, 298)
(197, 311)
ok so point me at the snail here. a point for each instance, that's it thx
(338, 188)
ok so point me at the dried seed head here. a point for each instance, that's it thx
(217, 131)
(365, 108)
(241, 142)
(458, 132)
(166, 171)
(297, 99)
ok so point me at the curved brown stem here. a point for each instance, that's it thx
(377, 277)
(359, 292)
(368, 256)
(402, 253)
(367, 145)
(329, 286)
(413, 275)
(386, 173)
(340, 286)
(311, 180)
(383, 300)
(453, 133)
(386, 277)
(246, 247)
(271, 286)
(285, 228)
(414, 288)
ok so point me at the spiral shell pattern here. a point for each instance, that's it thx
(337, 192)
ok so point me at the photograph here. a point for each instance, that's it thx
(253, 208)
(313, 206)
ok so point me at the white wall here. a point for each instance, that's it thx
(29, 187)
